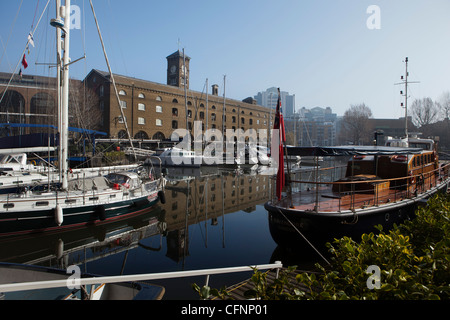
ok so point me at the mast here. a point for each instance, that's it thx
(185, 98)
(64, 113)
(406, 97)
(58, 76)
(405, 94)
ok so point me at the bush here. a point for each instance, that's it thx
(413, 260)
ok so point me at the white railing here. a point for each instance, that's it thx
(132, 278)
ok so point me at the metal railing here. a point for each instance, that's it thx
(4, 288)
(406, 187)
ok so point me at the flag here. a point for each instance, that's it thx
(30, 39)
(24, 62)
(279, 125)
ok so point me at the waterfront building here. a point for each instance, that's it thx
(269, 99)
(154, 110)
(28, 99)
(315, 127)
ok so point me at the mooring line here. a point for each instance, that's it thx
(318, 252)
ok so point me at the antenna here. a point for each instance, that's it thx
(405, 94)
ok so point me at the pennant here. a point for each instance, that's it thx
(279, 125)
(24, 62)
(30, 39)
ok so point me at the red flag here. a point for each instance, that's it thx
(279, 125)
(24, 62)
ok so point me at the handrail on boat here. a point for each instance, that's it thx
(415, 185)
(132, 278)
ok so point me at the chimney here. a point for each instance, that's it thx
(215, 90)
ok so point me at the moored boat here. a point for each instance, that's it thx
(382, 185)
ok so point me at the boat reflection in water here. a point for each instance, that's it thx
(197, 197)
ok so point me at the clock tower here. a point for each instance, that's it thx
(178, 70)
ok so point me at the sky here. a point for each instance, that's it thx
(323, 51)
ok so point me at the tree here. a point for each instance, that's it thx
(444, 105)
(355, 123)
(84, 107)
(424, 111)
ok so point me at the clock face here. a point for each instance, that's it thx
(173, 69)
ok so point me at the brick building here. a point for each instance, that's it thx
(153, 110)
(28, 100)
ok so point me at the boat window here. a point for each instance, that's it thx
(41, 203)
(8, 205)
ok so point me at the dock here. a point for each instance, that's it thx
(237, 291)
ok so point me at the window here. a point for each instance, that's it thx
(158, 98)
(141, 106)
(233, 119)
(159, 122)
(202, 115)
(141, 120)
(242, 120)
(141, 96)
(102, 90)
(175, 112)
(159, 109)
(174, 124)
(213, 117)
(175, 101)
(189, 113)
(122, 93)
(123, 104)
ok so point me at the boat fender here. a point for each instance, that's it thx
(59, 215)
(101, 213)
(412, 178)
(162, 196)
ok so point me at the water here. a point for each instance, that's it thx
(212, 218)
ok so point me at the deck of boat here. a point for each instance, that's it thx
(328, 200)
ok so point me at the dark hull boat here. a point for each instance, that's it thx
(382, 186)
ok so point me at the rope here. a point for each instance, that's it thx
(315, 249)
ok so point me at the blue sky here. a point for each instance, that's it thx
(321, 51)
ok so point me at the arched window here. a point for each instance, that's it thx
(12, 109)
(158, 98)
(141, 135)
(42, 109)
(175, 101)
(158, 136)
(159, 109)
(141, 96)
(122, 93)
(122, 134)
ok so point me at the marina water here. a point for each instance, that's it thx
(211, 218)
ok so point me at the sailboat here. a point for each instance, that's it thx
(83, 201)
